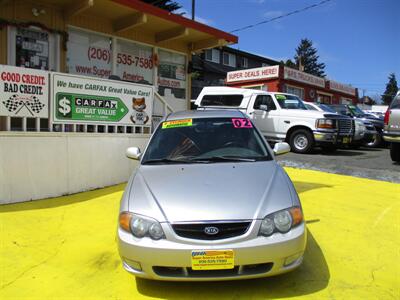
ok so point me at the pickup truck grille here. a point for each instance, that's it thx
(345, 126)
(197, 231)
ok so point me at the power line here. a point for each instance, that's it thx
(281, 16)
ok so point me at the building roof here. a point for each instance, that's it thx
(257, 57)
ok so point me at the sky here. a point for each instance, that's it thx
(358, 40)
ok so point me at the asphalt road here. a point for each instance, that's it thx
(373, 163)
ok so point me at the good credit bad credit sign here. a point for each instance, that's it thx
(253, 74)
(86, 100)
(23, 92)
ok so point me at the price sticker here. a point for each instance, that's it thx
(242, 123)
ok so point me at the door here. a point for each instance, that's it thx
(266, 121)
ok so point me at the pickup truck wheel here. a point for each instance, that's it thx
(395, 152)
(301, 141)
(375, 142)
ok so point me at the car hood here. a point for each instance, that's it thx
(215, 191)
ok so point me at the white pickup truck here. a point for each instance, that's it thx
(281, 117)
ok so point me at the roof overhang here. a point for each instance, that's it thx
(160, 25)
(169, 26)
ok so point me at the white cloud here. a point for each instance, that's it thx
(273, 14)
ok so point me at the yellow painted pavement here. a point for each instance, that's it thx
(64, 248)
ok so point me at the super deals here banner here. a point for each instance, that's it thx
(85, 100)
(24, 92)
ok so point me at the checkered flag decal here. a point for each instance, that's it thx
(35, 105)
(13, 103)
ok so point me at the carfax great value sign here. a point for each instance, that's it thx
(84, 100)
(24, 92)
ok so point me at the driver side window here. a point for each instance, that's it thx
(264, 100)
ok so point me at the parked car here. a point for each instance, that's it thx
(209, 202)
(391, 132)
(355, 112)
(281, 117)
(364, 131)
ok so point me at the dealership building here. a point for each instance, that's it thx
(280, 78)
(82, 80)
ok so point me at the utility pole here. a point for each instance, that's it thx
(193, 8)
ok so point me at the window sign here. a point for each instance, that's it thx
(32, 49)
(84, 100)
(89, 54)
(134, 62)
(24, 92)
(172, 74)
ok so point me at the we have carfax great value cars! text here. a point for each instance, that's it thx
(209, 202)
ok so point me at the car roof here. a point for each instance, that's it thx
(197, 114)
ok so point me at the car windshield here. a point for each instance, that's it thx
(290, 101)
(327, 108)
(395, 103)
(356, 111)
(205, 140)
(310, 107)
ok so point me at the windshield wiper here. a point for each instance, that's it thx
(225, 158)
(171, 161)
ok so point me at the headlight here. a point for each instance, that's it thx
(267, 226)
(360, 125)
(325, 124)
(141, 226)
(281, 221)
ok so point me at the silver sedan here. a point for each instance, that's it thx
(209, 202)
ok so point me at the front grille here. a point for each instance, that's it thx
(345, 126)
(190, 273)
(197, 230)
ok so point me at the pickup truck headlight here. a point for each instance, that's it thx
(141, 226)
(281, 221)
(325, 124)
(360, 125)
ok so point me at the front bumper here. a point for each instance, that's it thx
(254, 256)
(390, 137)
(331, 137)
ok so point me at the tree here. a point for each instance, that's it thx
(289, 63)
(391, 89)
(306, 56)
(169, 5)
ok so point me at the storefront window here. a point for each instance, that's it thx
(134, 62)
(32, 49)
(172, 74)
(295, 91)
(324, 99)
(89, 54)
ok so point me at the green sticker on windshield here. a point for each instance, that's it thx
(177, 123)
(280, 97)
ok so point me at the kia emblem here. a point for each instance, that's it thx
(211, 230)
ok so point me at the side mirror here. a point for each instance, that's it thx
(133, 153)
(281, 148)
(264, 107)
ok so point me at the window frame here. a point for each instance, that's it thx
(215, 55)
(288, 86)
(270, 107)
(231, 59)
